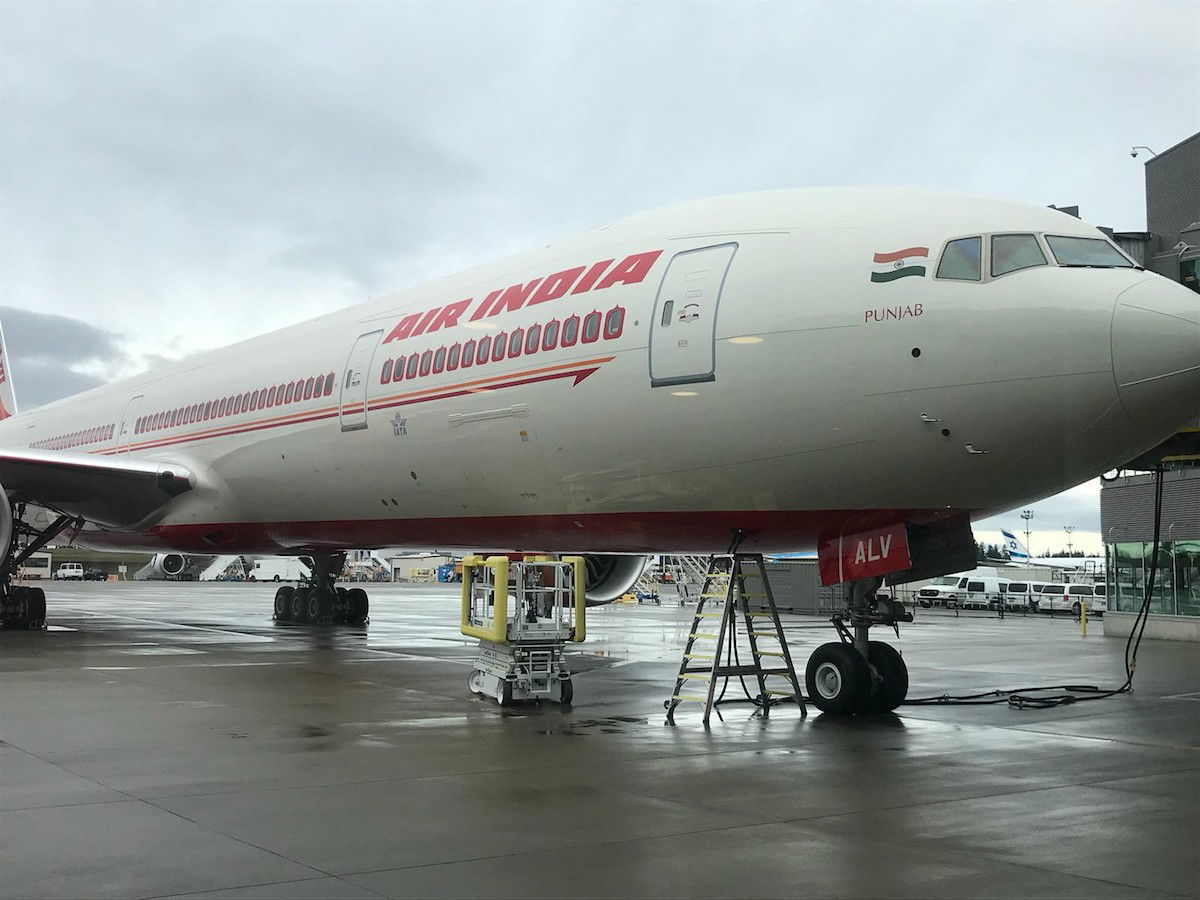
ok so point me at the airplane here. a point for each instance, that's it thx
(1019, 553)
(856, 370)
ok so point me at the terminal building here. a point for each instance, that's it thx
(1170, 246)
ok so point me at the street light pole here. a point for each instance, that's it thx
(1069, 529)
(1027, 514)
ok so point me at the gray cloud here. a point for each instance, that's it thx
(46, 353)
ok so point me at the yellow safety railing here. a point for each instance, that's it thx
(485, 594)
(579, 632)
(497, 630)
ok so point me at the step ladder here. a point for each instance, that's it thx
(731, 582)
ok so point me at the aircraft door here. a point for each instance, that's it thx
(352, 405)
(128, 420)
(683, 329)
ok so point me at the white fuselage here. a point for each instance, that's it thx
(787, 393)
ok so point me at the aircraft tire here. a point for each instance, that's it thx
(18, 609)
(837, 679)
(320, 607)
(35, 615)
(283, 604)
(359, 606)
(892, 690)
(300, 605)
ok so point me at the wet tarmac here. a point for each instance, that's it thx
(169, 739)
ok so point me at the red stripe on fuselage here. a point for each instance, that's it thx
(694, 531)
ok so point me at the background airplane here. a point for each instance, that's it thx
(1019, 553)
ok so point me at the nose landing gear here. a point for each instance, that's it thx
(318, 601)
(857, 675)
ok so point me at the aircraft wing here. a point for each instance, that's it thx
(114, 492)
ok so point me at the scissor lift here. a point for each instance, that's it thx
(521, 655)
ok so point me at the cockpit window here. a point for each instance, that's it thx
(1082, 251)
(960, 259)
(1011, 252)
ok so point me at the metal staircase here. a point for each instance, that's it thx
(713, 653)
(687, 575)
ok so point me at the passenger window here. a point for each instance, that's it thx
(614, 323)
(411, 370)
(453, 356)
(570, 331)
(439, 360)
(533, 338)
(591, 327)
(668, 308)
(961, 260)
(1011, 252)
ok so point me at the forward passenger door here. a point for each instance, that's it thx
(683, 328)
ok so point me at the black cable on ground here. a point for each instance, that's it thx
(1035, 697)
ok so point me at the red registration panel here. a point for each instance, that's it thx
(852, 556)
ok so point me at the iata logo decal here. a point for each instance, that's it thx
(899, 264)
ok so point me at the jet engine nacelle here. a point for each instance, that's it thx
(609, 576)
(168, 565)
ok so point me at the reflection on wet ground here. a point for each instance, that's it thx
(169, 739)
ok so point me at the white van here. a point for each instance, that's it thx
(69, 572)
(977, 589)
(1069, 597)
(1042, 594)
(1020, 596)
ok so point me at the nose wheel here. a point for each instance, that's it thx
(855, 675)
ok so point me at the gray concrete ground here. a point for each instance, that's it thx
(168, 739)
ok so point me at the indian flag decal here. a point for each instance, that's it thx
(900, 264)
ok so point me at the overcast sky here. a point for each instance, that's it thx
(175, 176)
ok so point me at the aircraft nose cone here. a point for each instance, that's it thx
(1156, 353)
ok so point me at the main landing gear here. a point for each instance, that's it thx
(21, 606)
(319, 601)
(858, 675)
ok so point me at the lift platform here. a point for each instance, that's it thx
(521, 654)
